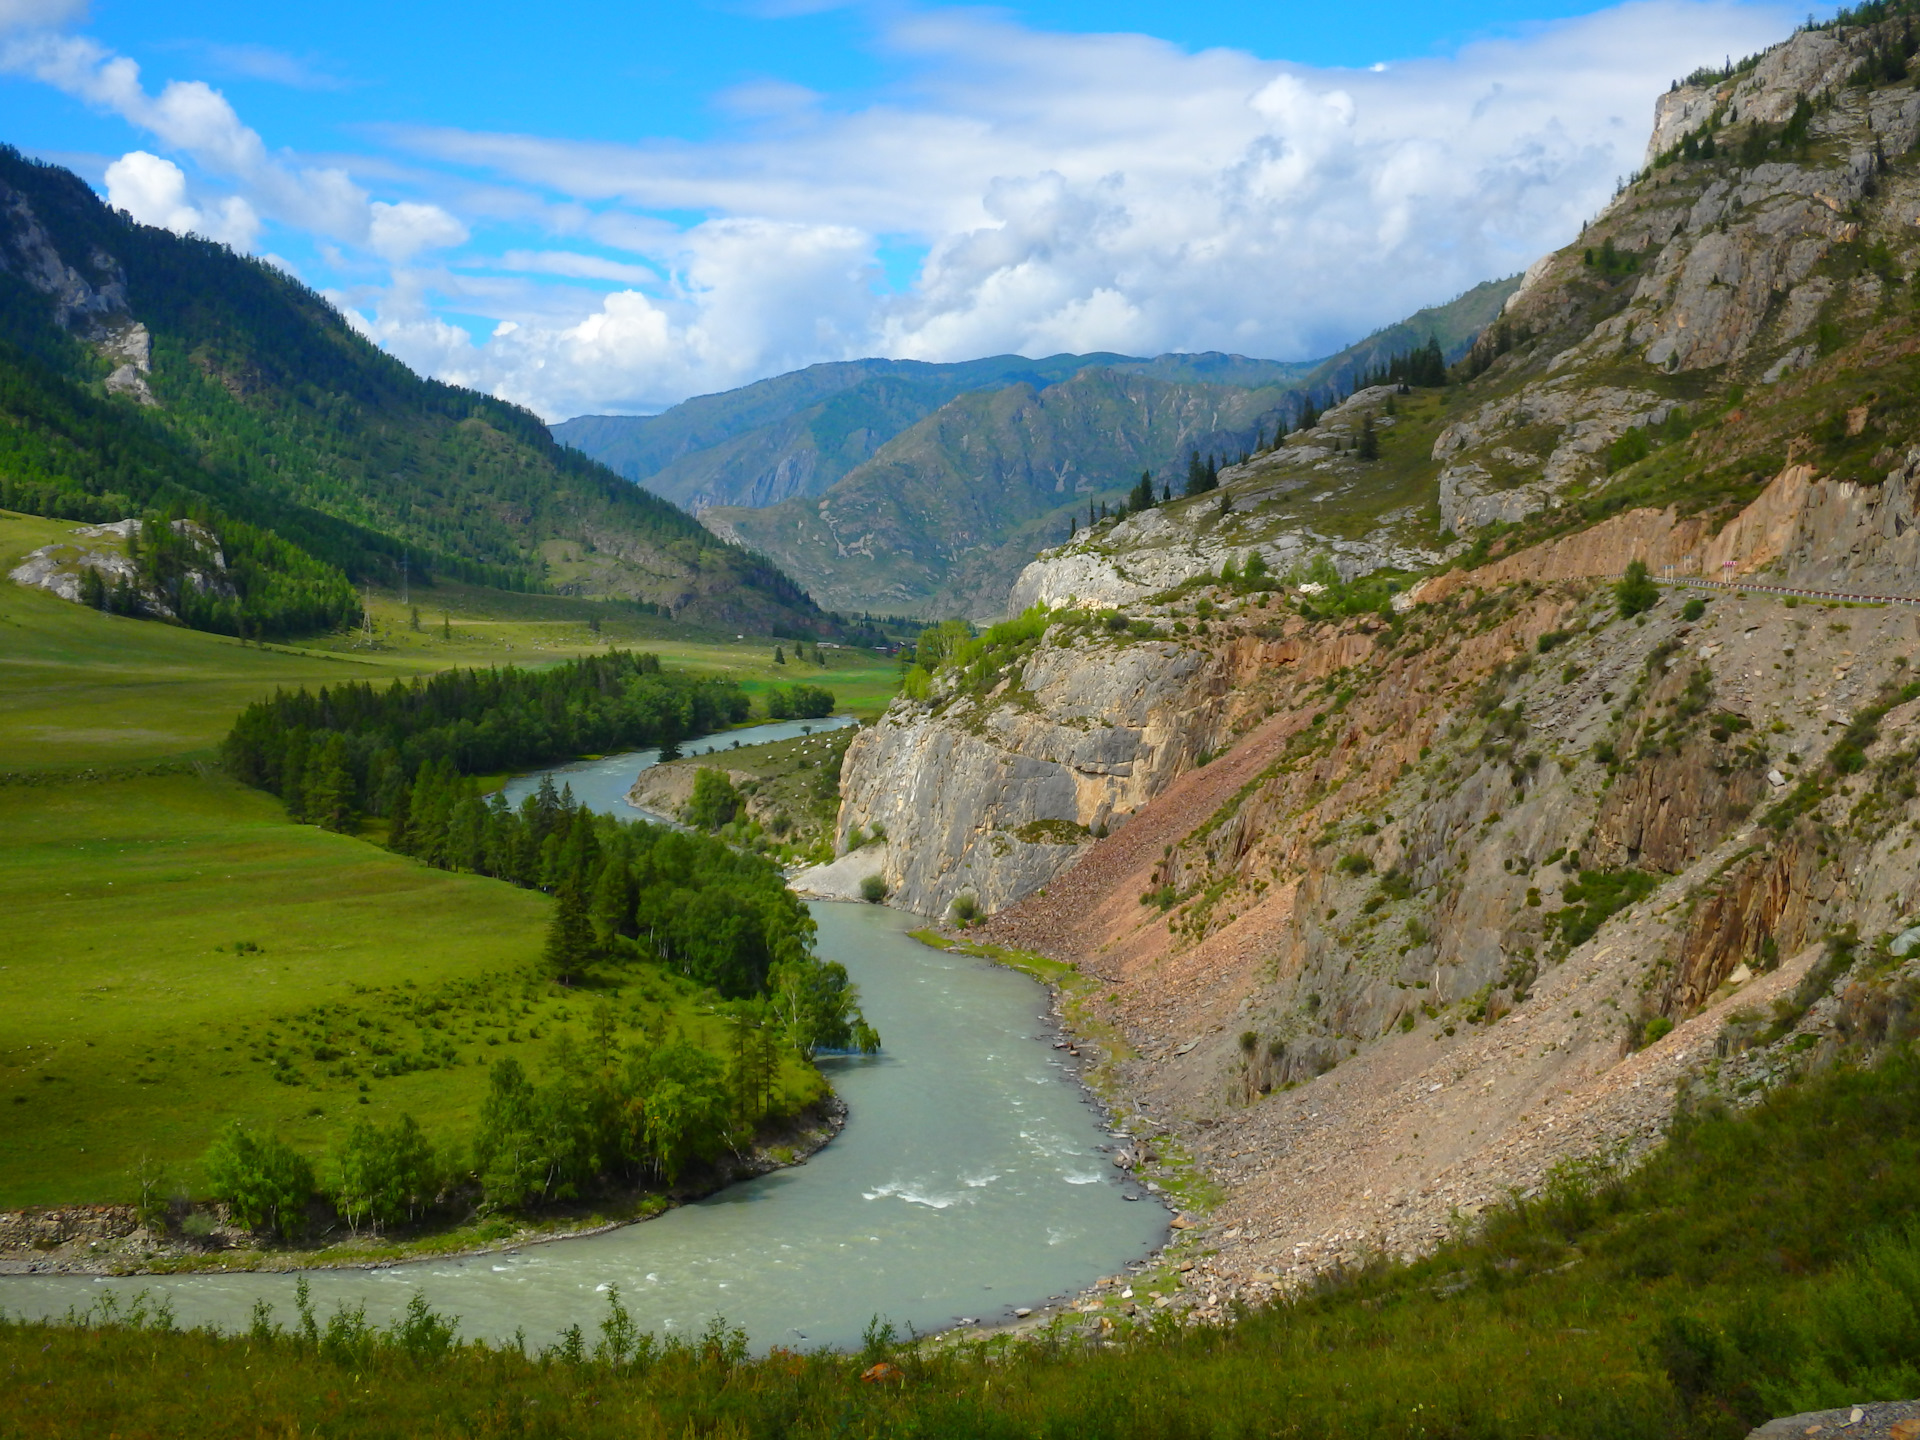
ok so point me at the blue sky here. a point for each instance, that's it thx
(599, 207)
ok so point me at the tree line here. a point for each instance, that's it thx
(357, 749)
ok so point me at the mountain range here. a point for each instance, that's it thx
(902, 487)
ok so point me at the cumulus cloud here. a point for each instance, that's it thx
(154, 191)
(1055, 192)
(401, 230)
(1099, 192)
(194, 119)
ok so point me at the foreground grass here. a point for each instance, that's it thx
(1760, 1265)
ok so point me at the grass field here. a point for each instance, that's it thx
(130, 1025)
(180, 955)
(463, 625)
(79, 689)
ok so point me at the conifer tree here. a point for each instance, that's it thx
(569, 936)
(1196, 474)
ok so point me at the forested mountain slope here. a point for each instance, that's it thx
(796, 434)
(140, 370)
(944, 515)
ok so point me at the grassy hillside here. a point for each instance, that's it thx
(1455, 325)
(263, 406)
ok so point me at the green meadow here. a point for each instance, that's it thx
(180, 955)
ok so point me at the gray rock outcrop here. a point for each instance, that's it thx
(994, 797)
(94, 309)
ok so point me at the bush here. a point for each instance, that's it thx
(386, 1174)
(965, 909)
(1636, 592)
(873, 889)
(1693, 609)
(715, 802)
(264, 1179)
(1354, 864)
(1596, 897)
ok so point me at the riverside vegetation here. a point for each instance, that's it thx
(184, 955)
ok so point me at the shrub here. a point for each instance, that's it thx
(1354, 864)
(264, 1179)
(965, 908)
(1595, 898)
(1693, 609)
(715, 802)
(873, 889)
(1636, 592)
(1658, 1026)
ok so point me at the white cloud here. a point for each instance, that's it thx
(400, 231)
(41, 14)
(194, 119)
(1067, 192)
(154, 191)
(1088, 192)
(575, 266)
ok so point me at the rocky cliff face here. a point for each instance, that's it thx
(94, 309)
(1311, 497)
(994, 797)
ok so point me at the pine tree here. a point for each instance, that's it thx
(1369, 441)
(1196, 474)
(779, 656)
(569, 935)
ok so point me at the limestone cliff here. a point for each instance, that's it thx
(993, 795)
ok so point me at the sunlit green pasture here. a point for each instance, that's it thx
(454, 624)
(80, 689)
(136, 1017)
